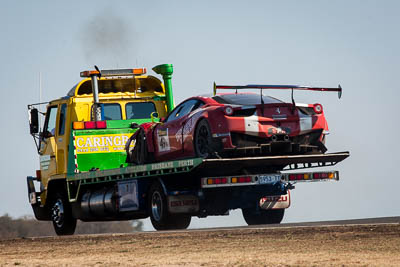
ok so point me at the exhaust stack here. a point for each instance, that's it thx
(166, 71)
(95, 88)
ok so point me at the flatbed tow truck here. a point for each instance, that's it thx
(84, 173)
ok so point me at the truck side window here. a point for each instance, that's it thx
(63, 114)
(139, 110)
(112, 112)
(50, 123)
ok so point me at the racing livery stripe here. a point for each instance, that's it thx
(305, 122)
(251, 125)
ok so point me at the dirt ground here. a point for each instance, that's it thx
(363, 245)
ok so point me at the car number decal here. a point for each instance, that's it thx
(163, 140)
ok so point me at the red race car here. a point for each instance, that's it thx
(233, 125)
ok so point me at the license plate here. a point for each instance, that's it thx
(269, 178)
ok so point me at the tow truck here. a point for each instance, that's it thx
(84, 173)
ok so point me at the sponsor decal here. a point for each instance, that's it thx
(277, 130)
(44, 162)
(163, 140)
(185, 163)
(162, 165)
(101, 143)
(184, 131)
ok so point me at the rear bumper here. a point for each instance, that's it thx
(242, 145)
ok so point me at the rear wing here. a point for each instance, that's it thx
(280, 87)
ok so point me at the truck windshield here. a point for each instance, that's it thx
(245, 99)
(139, 110)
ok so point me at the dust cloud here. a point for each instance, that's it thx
(108, 40)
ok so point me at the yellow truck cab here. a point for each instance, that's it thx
(114, 97)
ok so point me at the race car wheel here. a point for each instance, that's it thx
(202, 139)
(61, 215)
(160, 218)
(252, 217)
(139, 154)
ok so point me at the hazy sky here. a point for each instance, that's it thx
(319, 43)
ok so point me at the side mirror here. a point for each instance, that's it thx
(34, 121)
(154, 115)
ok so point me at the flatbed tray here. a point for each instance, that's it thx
(187, 165)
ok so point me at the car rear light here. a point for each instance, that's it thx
(318, 108)
(228, 111)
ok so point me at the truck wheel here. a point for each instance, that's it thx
(180, 221)
(160, 218)
(202, 139)
(252, 217)
(61, 215)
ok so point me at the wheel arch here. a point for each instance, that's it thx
(56, 185)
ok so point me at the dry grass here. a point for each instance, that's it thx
(367, 245)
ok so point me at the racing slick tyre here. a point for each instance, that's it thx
(61, 215)
(160, 218)
(253, 217)
(202, 139)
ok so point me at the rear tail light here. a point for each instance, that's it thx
(101, 124)
(217, 181)
(38, 175)
(81, 125)
(246, 179)
(228, 111)
(78, 125)
(324, 175)
(90, 125)
(310, 176)
(227, 180)
(318, 108)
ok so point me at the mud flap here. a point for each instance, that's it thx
(183, 204)
(275, 202)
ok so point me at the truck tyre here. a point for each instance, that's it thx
(160, 218)
(202, 139)
(180, 221)
(61, 215)
(253, 217)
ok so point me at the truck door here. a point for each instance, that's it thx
(48, 145)
(61, 140)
